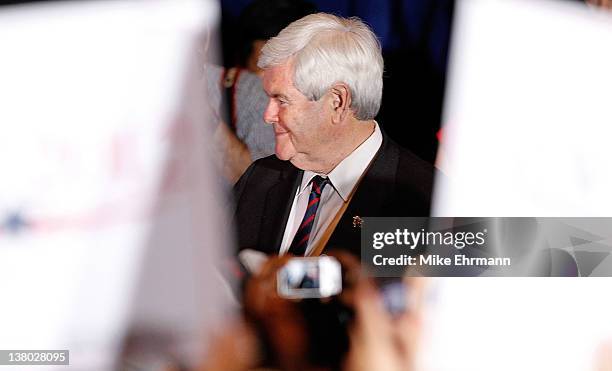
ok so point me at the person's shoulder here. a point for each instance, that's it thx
(269, 167)
(408, 160)
(263, 174)
(414, 176)
(272, 164)
(411, 160)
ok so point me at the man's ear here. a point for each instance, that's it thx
(341, 102)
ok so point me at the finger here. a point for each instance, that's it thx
(351, 275)
(416, 290)
(371, 318)
(407, 333)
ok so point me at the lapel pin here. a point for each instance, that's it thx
(357, 221)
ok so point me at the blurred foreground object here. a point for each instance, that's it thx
(527, 117)
(107, 188)
(527, 132)
(509, 323)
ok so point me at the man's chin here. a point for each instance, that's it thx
(283, 154)
(296, 159)
(288, 157)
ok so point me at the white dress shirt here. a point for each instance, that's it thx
(343, 178)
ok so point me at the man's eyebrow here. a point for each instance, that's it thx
(277, 95)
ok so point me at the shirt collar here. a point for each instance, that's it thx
(345, 175)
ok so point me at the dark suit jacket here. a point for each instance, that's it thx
(396, 184)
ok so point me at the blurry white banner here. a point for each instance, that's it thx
(107, 190)
(527, 132)
(527, 114)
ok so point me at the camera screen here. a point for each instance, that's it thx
(302, 275)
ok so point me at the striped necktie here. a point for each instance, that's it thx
(300, 241)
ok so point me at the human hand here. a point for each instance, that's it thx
(279, 317)
(380, 341)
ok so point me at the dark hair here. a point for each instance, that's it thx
(263, 19)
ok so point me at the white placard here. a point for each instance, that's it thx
(103, 141)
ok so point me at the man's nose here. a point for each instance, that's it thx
(271, 113)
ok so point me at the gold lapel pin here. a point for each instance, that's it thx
(357, 221)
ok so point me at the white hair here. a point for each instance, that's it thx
(326, 49)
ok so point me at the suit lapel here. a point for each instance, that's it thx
(279, 200)
(369, 199)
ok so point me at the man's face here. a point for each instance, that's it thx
(301, 127)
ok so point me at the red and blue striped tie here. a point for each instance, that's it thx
(300, 241)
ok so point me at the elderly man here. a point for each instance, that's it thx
(333, 164)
